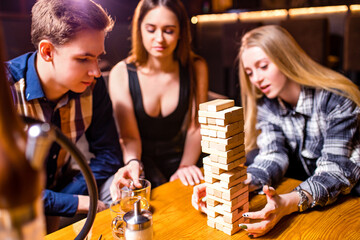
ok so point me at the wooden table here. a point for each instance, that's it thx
(175, 218)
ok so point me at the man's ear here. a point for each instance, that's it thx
(46, 50)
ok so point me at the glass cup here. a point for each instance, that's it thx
(128, 197)
(117, 224)
(132, 191)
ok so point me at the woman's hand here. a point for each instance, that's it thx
(199, 192)
(189, 175)
(277, 207)
(123, 177)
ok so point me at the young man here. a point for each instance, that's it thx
(61, 83)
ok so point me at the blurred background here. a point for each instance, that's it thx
(328, 30)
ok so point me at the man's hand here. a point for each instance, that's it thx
(84, 205)
(123, 177)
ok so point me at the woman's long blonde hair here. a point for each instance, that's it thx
(294, 63)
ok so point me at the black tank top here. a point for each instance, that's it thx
(159, 128)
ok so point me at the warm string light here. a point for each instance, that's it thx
(318, 10)
(258, 15)
(355, 8)
(272, 14)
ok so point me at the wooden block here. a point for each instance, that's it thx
(227, 154)
(204, 106)
(221, 134)
(224, 160)
(230, 205)
(216, 105)
(205, 144)
(227, 128)
(227, 167)
(243, 199)
(217, 193)
(224, 147)
(228, 185)
(213, 175)
(210, 179)
(202, 120)
(212, 213)
(210, 222)
(211, 202)
(211, 121)
(212, 169)
(204, 132)
(226, 194)
(221, 104)
(229, 113)
(232, 175)
(236, 138)
(207, 132)
(241, 188)
(232, 154)
(227, 217)
(226, 121)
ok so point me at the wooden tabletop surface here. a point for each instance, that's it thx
(175, 218)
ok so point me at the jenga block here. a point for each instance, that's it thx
(232, 175)
(213, 175)
(230, 204)
(227, 217)
(226, 194)
(228, 185)
(238, 205)
(212, 169)
(221, 134)
(228, 160)
(227, 128)
(231, 195)
(221, 104)
(211, 121)
(204, 106)
(216, 105)
(226, 121)
(230, 153)
(210, 222)
(202, 120)
(212, 213)
(205, 144)
(224, 147)
(227, 167)
(210, 179)
(229, 113)
(236, 138)
(207, 132)
(211, 202)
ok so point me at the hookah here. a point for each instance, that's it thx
(40, 138)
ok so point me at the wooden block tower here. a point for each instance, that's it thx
(222, 131)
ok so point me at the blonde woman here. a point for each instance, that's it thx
(155, 94)
(304, 120)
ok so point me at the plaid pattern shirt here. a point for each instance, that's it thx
(322, 130)
(88, 113)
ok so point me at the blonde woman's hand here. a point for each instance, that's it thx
(188, 175)
(277, 207)
(197, 198)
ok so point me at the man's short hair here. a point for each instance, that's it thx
(59, 20)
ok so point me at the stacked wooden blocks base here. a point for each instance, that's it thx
(222, 136)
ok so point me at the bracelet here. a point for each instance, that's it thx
(137, 160)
